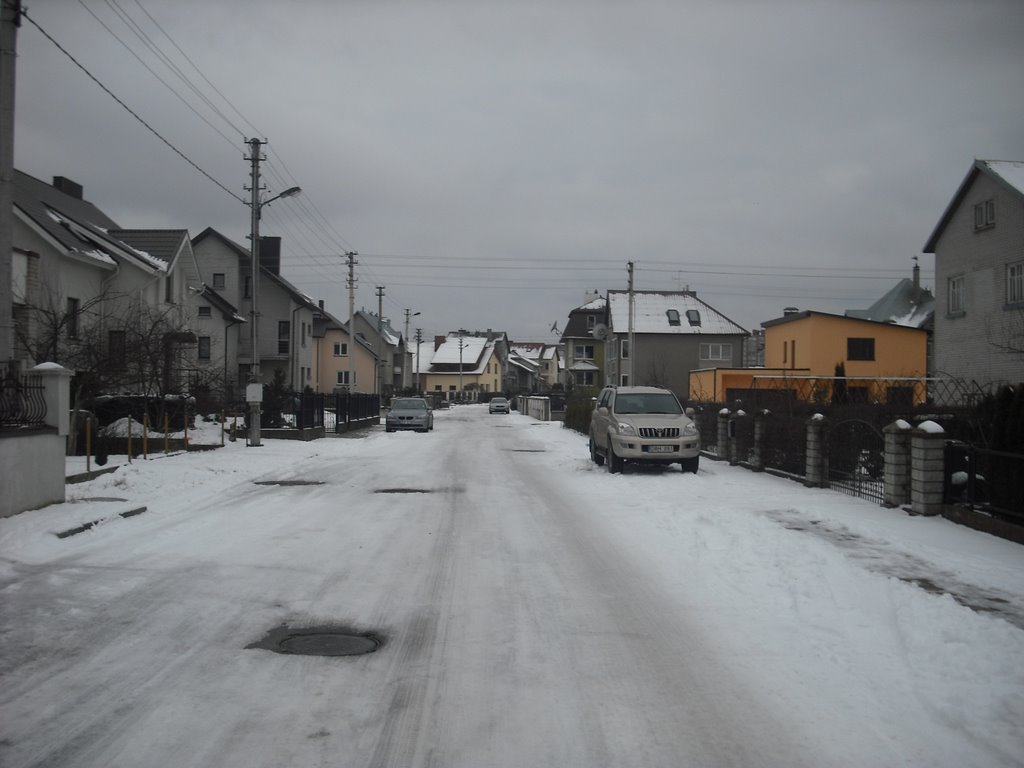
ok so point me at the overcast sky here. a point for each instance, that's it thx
(491, 161)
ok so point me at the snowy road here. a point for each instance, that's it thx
(536, 611)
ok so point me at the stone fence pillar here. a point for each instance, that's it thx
(57, 384)
(723, 449)
(897, 464)
(927, 469)
(757, 457)
(816, 459)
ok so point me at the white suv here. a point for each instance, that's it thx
(643, 425)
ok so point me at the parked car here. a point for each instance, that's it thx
(498, 405)
(409, 413)
(643, 425)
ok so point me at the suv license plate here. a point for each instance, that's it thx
(661, 448)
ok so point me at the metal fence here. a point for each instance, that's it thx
(986, 480)
(22, 400)
(353, 407)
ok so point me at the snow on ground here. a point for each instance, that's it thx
(873, 637)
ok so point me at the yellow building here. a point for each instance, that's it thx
(882, 362)
(461, 368)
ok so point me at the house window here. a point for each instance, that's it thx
(860, 349)
(591, 322)
(673, 316)
(340, 349)
(792, 353)
(785, 353)
(625, 349)
(303, 334)
(284, 329)
(218, 280)
(169, 289)
(437, 387)
(343, 378)
(585, 378)
(957, 304)
(204, 347)
(985, 215)
(717, 352)
(584, 351)
(247, 287)
(74, 306)
(1015, 282)
(625, 380)
(204, 312)
(116, 348)
(693, 317)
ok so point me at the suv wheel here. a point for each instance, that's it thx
(595, 457)
(614, 462)
(690, 465)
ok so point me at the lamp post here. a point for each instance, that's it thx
(254, 392)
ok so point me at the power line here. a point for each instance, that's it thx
(128, 109)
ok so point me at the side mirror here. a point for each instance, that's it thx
(690, 412)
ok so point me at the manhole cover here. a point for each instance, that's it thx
(289, 482)
(319, 641)
(403, 490)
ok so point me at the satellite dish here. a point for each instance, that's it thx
(600, 332)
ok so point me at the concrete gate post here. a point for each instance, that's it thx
(723, 449)
(760, 430)
(927, 469)
(816, 460)
(897, 464)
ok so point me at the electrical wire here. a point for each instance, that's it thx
(129, 110)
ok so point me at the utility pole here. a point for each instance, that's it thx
(419, 340)
(254, 392)
(405, 352)
(10, 20)
(351, 283)
(462, 346)
(380, 340)
(632, 350)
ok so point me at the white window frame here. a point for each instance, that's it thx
(342, 378)
(341, 349)
(580, 351)
(984, 214)
(956, 300)
(716, 351)
(1015, 283)
(219, 280)
(204, 344)
(205, 312)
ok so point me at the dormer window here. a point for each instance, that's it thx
(673, 316)
(693, 316)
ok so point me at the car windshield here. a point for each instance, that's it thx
(652, 402)
(409, 405)
(499, 400)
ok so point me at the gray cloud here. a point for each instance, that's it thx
(547, 135)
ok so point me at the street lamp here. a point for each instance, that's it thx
(254, 392)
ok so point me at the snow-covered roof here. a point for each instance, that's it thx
(391, 337)
(904, 304)
(666, 312)
(595, 305)
(1010, 171)
(449, 353)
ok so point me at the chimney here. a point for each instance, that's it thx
(790, 311)
(68, 187)
(917, 275)
(270, 254)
